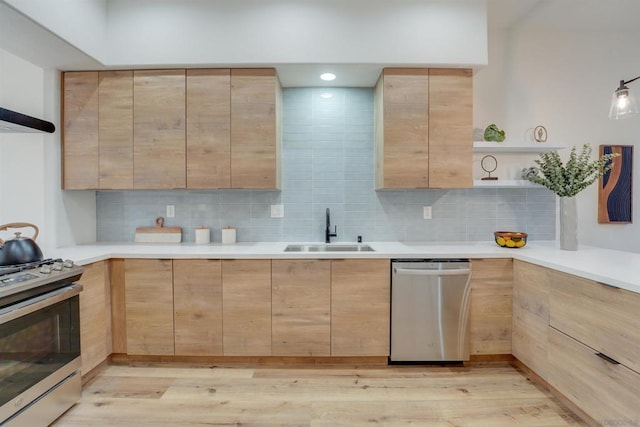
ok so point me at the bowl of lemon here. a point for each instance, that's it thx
(510, 239)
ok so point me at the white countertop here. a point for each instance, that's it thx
(616, 268)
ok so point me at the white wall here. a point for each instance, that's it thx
(30, 163)
(82, 23)
(564, 81)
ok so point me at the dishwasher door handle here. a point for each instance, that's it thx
(432, 272)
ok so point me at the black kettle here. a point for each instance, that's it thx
(19, 250)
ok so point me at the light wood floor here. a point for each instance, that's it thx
(176, 395)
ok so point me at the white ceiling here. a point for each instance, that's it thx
(22, 36)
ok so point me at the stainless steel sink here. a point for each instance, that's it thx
(328, 248)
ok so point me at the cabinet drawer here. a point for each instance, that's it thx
(606, 391)
(604, 318)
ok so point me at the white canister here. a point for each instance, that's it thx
(203, 236)
(229, 235)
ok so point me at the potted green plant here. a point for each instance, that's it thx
(567, 180)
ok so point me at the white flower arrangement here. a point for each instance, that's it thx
(567, 180)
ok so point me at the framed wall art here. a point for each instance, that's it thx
(614, 189)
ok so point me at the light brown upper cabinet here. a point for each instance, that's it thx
(256, 99)
(98, 130)
(208, 128)
(164, 129)
(424, 128)
(80, 142)
(159, 155)
(115, 129)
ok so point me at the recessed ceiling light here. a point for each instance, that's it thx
(328, 76)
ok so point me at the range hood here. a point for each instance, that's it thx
(14, 122)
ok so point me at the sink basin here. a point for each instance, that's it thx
(328, 248)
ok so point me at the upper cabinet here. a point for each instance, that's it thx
(80, 140)
(424, 128)
(159, 129)
(208, 128)
(115, 129)
(165, 129)
(255, 129)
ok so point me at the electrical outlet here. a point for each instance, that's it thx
(277, 211)
(426, 212)
(171, 211)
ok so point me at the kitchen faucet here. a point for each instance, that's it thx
(327, 232)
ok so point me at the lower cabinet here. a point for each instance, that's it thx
(606, 391)
(246, 312)
(149, 306)
(301, 316)
(197, 307)
(594, 342)
(251, 307)
(95, 315)
(490, 316)
(360, 307)
(531, 316)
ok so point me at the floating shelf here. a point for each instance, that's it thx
(504, 183)
(509, 147)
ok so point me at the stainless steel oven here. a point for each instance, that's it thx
(39, 344)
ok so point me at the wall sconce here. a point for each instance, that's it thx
(623, 104)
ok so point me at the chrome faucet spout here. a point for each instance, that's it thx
(327, 231)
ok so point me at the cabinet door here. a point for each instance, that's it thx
(255, 128)
(208, 128)
(607, 392)
(159, 129)
(360, 307)
(490, 316)
(197, 306)
(450, 128)
(95, 316)
(402, 128)
(246, 307)
(301, 292)
(116, 130)
(80, 141)
(149, 306)
(531, 316)
(602, 317)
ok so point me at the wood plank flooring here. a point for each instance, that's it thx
(494, 394)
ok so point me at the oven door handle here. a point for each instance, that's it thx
(37, 303)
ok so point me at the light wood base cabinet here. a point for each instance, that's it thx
(606, 319)
(301, 298)
(491, 312)
(95, 316)
(605, 391)
(197, 305)
(246, 307)
(149, 306)
(531, 316)
(360, 307)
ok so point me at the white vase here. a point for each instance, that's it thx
(568, 224)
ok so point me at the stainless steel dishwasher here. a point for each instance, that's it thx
(430, 310)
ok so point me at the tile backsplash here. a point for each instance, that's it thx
(327, 162)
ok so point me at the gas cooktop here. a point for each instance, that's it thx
(30, 277)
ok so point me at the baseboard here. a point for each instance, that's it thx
(542, 383)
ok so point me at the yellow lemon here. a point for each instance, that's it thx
(510, 243)
(520, 244)
(500, 241)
